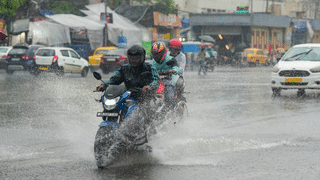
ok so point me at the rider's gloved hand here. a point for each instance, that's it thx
(171, 71)
(100, 88)
(146, 88)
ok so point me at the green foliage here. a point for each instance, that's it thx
(9, 7)
(168, 5)
(64, 7)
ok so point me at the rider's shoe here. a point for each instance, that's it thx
(149, 149)
(144, 148)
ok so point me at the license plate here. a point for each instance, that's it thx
(43, 68)
(97, 59)
(296, 80)
(100, 114)
(15, 59)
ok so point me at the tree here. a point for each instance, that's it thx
(9, 7)
(64, 7)
(168, 5)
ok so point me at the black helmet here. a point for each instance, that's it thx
(136, 55)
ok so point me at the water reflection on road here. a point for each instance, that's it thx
(235, 130)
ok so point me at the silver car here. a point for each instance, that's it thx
(3, 55)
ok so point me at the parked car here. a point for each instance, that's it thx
(94, 60)
(254, 56)
(4, 50)
(113, 59)
(59, 60)
(298, 69)
(20, 57)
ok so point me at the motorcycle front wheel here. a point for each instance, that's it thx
(103, 142)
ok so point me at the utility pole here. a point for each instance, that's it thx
(106, 23)
(267, 6)
(316, 9)
(251, 6)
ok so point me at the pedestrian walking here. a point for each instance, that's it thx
(201, 60)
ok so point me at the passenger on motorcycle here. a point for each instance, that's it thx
(129, 74)
(175, 47)
(160, 58)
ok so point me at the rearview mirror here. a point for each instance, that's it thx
(97, 75)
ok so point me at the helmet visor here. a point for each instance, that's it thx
(134, 60)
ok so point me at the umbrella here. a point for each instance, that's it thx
(205, 45)
(207, 38)
(3, 36)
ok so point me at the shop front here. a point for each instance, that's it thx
(166, 26)
(263, 31)
(267, 39)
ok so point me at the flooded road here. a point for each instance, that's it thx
(235, 130)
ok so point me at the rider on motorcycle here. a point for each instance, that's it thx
(143, 88)
(175, 47)
(160, 59)
(130, 74)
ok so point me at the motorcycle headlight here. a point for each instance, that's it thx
(275, 69)
(110, 104)
(315, 70)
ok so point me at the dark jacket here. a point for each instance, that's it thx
(135, 78)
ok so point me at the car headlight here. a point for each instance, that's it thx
(110, 104)
(275, 69)
(315, 70)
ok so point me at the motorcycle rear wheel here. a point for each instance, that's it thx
(181, 110)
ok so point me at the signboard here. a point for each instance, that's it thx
(154, 34)
(166, 20)
(242, 9)
(288, 36)
(106, 17)
(2, 25)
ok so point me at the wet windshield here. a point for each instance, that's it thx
(303, 54)
(3, 50)
(118, 52)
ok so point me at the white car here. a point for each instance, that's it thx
(59, 60)
(299, 68)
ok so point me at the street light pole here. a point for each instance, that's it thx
(316, 9)
(106, 24)
(267, 6)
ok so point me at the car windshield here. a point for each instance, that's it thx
(118, 52)
(45, 52)
(3, 50)
(303, 54)
(18, 51)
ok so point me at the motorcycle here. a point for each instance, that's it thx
(209, 64)
(122, 130)
(180, 109)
